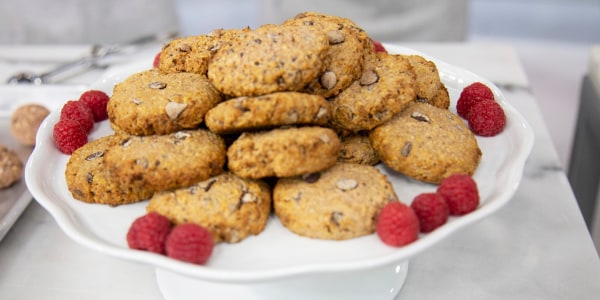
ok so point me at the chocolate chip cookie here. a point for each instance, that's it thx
(230, 207)
(151, 102)
(426, 143)
(283, 152)
(339, 203)
(267, 111)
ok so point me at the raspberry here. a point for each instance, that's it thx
(378, 46)
(470, 95)
(460, 192)
(486, 118)
(190, 243)
(79, 112)
(149, 232)
(96, 101)
(431, 209)
(69, 135)
(156, 61)
(397, 224)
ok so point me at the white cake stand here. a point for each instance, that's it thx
(377, 283)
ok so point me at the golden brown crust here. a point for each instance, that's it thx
(283, 152)
(386, 86)
(357, 148)
(426, 143)
(339, 203)
(151, 102)
(89, 180)
(162, 162)
(230, 207)
(269, 59)
(267, 111)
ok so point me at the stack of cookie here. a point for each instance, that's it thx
(291, 116)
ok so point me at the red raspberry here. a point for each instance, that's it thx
(431, 209)
(79, 112)
(470, 95)
(397, 224)
(156, 61)
(190, 243)
(487, 118)
(97, 102)
(460, 192)
(149, 232)
(69, 135)
(378, 46)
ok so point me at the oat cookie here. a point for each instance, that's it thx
(339, 203)
(283, 152)
(151, 102)
(429, 87)
(191, 54)
(345, 56)
(89, 180)
(267, 111)
(385, 87)
(356, 148)
(161, 162)
(442, 99)
(426, 143)
(269, 59)
(230, 207)
(11, 167)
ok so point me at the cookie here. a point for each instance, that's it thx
(191, 54)
(89, 180)
(357, 149)
(230, 207)
(269, 59)
(267, 111)
(161, 162)
(386, 86)
(340, 203)
(11, 167)
(151, 102)
(442, 99)
(345, 56)
(426, 143)
(283, 152)
(25, 121)
(428, 85)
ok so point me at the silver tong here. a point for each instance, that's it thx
(97, 53)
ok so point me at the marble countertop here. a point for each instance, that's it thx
(535, 247)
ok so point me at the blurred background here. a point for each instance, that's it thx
(552, 38)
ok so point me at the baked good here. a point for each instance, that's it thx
(89, 180)
(191, 54)
(269, 59)
(426, 143)
(267, 111)
(11, 167)
(356, 148)
(339, 203)
(25, 121)
(428, 85)
(283, 152)
(151, 102)
(344, 57)
(385, 87)
(230, 207)
(161, 162)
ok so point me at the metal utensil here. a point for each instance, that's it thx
(98, 52)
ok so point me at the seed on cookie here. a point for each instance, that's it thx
(175, 109)
(368, 77)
